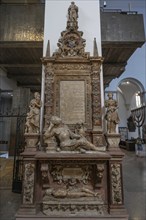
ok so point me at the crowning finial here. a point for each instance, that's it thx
(71, 43)
(72, 22)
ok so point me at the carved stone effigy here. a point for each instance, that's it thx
(79, 173)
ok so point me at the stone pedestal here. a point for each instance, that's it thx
(113, 141)
(31, 140)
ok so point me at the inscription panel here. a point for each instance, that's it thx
(72, 101)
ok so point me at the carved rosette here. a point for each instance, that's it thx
(28, 187)
(116, 185)
(49, 96)
(96, 94)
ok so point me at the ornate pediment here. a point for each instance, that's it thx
(71, 43)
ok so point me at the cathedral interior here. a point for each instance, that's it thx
(24, 57)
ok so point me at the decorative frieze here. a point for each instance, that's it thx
(96, 94)
(75, 66)
(79, 209)
(49, 95)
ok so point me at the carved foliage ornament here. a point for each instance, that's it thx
(116, 184)
(49, 83)
(96, 95)
(28, 183)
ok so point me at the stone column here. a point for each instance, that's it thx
(116, 198)
(28, 192)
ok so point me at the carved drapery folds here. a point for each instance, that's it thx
(28, 188)
(71, 43)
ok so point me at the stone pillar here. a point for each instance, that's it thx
(28, 192)
(116, 195)
(116, 198)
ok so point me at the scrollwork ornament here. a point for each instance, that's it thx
(72, 67)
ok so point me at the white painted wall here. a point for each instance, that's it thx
(124, 113)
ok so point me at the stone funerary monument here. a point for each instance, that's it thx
(77, 174)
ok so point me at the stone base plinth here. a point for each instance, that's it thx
(113, 142)
(71, 185)
(39, 216)
(31, 141)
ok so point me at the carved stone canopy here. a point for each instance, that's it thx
(71, 43)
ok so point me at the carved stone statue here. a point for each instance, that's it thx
(111, 114)
(72, 12)
(33, 116)
(71, 43)
(71, 193)
(66, 139)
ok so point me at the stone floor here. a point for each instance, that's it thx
(134, 179)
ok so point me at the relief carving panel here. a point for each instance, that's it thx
(28, 188)
(116, 184)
